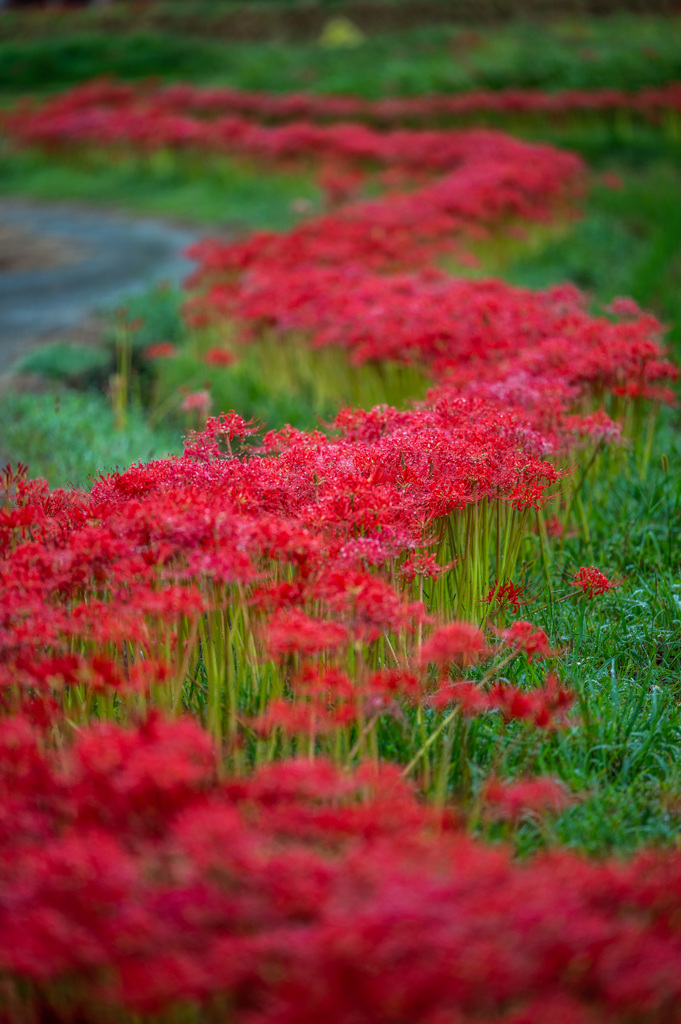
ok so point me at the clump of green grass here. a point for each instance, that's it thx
(68, 437)
(226, 194)
(78, 365)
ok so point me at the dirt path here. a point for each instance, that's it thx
(60, 264)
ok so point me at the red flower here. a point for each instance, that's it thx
(528, 638)
(459, 643)
(508, 800)
(591, 581)
(293, 631)
(161, 350)
(471, 698)
(219, 357)
(197, 401)
(506, 594)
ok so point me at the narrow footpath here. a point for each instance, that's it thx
(61, 263)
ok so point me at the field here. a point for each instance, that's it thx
(341, 605)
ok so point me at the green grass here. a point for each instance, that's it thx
(627, 243)
(225, 194)
(68, 437)
(620, 51)
(624, 658)
(624, 650)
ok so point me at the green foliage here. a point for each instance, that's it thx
(156, 315)
(68, 437)
(627, 243)
(242, 387)
(43, 62)
(229, 195)
(74, 364)
(620, 51)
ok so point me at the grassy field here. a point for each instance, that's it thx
(619, 51)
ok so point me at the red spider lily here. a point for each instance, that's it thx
(272, 596)
(524, 636)
(367, 605)
(138, 871)
(197, 401)
(161, 350)
(507, 593)
(328, 682)
(210, 103)
(219, 430)
(469, 697)
(545, 708)
(316, 716)
(219, 357)
(506, 800)
(292, 631)
(423, 565)
(393, 682)
(596, 427)
(136, 880)
(592, 581)
(458, 643)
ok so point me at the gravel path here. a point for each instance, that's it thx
(104, 257)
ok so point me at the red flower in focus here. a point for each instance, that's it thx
(423, 565)
(230, 425)
(506, 594)
(459, 643)
(591, 581)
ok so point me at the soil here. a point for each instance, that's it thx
(21, 250)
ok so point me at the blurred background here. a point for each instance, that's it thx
(85, 233)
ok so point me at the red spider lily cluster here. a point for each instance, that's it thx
(650, 104)
(204, 658)
(300, 588)
(135, 882)
(306, 546)
(542, 352)
(363, 279)
(109, 118)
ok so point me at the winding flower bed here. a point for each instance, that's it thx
(652, 104)
(241, 687)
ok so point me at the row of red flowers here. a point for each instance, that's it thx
(337, 598)
(133, 880)
(651, 104)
